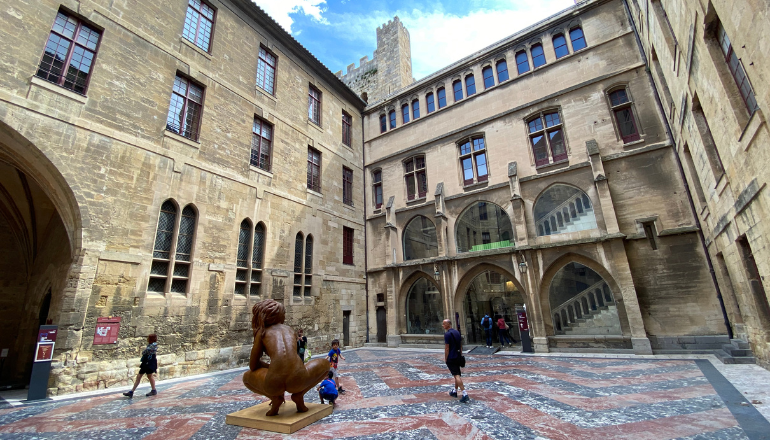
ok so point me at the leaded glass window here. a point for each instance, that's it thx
(173, 248)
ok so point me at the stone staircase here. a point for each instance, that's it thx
(602, 321)
(736, 352)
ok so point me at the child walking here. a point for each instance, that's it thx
(334, 356)
(148, 366)
(328, 389)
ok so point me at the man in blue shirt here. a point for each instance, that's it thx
(453, 349)
(486, 324)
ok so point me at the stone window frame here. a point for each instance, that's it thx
(347, 186)
(614, 109)
(519, 62)
(265, 71)
(303, 266)
(171, 277)
(392, 119)
(571, 40)
(347, 246)
(414, 175)
(314, 100)
(498, 61)
(183, 129)
(201, 17)
(532, 46)
(383, 123)
(347, 129)
(487, 67)
(469, 86)
(258, 142)
(472, 154)
(430, 102)
(61, 79)
(249, 272)
(545, 129)
(560, 34)
(405, 113)
(314, 162)
(455, 91)
(415, 108)
(377, 186)
(439, 91)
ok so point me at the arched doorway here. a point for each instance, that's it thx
(424, 311)
(494, 294)
(582, 303)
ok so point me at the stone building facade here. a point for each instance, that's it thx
(390, 68)
(709, 61)
(162, 180)
(536, 174)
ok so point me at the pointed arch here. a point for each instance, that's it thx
(483, 225)
(562, 208)
(401, 300)
(419, 239)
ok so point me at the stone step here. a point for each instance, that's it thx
(738, 343)
(727, 359)
(735, 352)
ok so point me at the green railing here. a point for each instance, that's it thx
(495, 245)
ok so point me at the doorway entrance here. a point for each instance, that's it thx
(491, 293)
(382, 325)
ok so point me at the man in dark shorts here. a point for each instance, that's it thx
(453, 349)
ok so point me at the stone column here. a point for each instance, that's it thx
(602, 187)
(517, 204)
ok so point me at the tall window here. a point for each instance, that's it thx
(441, 98)
(261, 144)
(736, 68)
(383, 124)
(470, 85)
(415, 178)
(248, 275)
(377, 188)
(170, 270)
(522, 62)
(547, 138)
(538, 56)
(405, 113)
(502, 71)
(457, 86)
(184, 112)
(313, 169)
(266, 71)
(392, 118)
(560, 46)
(473, 160)
(347, 186)
(314, 105)
(489, 77)
(624, 115)
(415, 109)
(198, 24)
(430, 103)
(578, 39)
(347, 245)
(69, 53)
(303, 267)
(347, 129)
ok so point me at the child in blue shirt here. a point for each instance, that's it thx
(333, 357)
(328, 389)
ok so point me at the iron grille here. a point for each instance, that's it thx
(298, 254)
(181, 270)
(309, 255)
(243, 244)
(259, 243)
(179, 286)
(156, 285)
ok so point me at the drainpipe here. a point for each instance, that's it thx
(366, 265)
(681, 172)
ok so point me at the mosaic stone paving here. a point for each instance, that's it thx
(398, 395)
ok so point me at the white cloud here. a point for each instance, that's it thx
(280, 10)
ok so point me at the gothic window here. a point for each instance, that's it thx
(470, 85)
(441, 98)
(489, 77)
(483, 226)
(170, 271)
(538, 56)
(347, 129)
(347, 186)
(383, 124)
(198, 24)
(392, 117)
(522, 62)
(261, 144)
(578, 39)
(347, 245)
(502, 71)
(547, 138)
(184, 112)
(405, 113)
(415, 178)
(473, 160)
(457, 87)
(266, 70)
(560, 46)
(736, 69)
(314, 105)
(415, 109)
(313, 169)
(563, 208)
(377, 188)
(303, 265)
(622, 108)
(420, 240)
(69, 53)
(429, 102)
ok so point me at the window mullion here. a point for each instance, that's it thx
(172, 253)
(68, 59)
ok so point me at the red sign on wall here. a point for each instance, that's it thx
(106, 331)
(47, 334)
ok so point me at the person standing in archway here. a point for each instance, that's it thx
(453, 350)
(486, 324)
(502, 332)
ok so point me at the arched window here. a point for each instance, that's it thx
(538, 56)
(377, 188)
(424, 312)
(473, 160)
(560, 46)
(303, 266)
(622, 108)
(383, 124)
(415, 109)
(578, 39)
(522, 62)
(489, 77)
(251, 249)
(244, 239)
(457, 87)
(420, 239)
(415, 178)
(563, 208)
(392, 117)
(441, 93)
(502, 71)
(405, 113)
(482, 226)
(491, 293)
(430, 102)
(257, 260)
(170, 271)
(579, 293)
(547, 138)
(470, 85)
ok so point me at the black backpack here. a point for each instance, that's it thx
(485, 321)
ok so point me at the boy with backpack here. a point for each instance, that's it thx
(486, 324)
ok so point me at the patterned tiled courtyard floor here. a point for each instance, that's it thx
(403, 395)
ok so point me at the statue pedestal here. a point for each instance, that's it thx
(287, 421)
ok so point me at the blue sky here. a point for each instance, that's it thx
(340, 32)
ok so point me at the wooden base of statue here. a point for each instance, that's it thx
(287, 421)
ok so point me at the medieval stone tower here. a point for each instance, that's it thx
(390, 68)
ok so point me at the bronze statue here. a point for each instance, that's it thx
(286, 371)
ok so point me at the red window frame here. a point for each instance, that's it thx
(347, 186)
(621, 104)
(82, 45)
(313, 169)
(473, 160)
(546, 126)
(415, 178)
(261, 144)
(266, 70)
(377, 188)
(347, 129)
(187, 104)
(347, 245)
(314, 105)
(201, 16)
